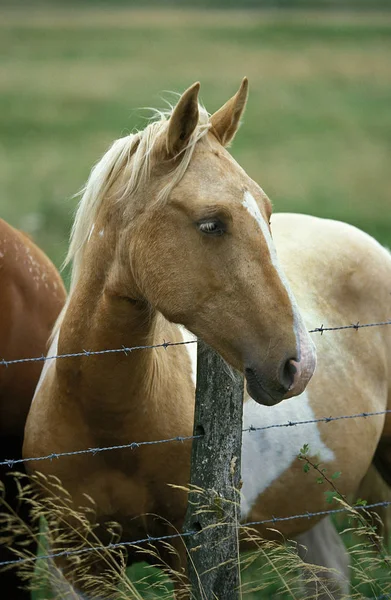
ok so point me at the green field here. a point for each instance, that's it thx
(316, 135)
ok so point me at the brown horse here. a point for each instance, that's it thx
(171, 230)
(32, 295)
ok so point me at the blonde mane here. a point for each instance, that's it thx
(139, 146)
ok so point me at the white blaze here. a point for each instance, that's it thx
(251, 205)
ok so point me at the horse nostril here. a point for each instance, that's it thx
(287, 373)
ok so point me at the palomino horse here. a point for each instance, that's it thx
(32, 295)
(170, 230)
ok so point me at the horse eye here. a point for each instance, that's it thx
(212, 227)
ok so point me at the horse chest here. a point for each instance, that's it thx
(116, 495)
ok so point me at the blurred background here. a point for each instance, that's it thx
(316, 134)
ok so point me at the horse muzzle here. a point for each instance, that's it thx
(291, 379)
(261, 390)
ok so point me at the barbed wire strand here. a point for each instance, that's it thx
(150, 539)
(356, 326)
(9, 462)
(320, 513)
(124, 349)
(320, 420)
(132, 446)
(113, 546)
(128, 350)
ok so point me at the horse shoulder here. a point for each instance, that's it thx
(335, 257)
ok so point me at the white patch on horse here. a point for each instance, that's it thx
(101, 232)
(268, 453)
(48, 363)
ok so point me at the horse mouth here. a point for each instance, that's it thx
(258, 391)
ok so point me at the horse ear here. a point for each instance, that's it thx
(183, 121)
(225, 121)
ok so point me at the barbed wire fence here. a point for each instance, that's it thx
(165, 345)
(224, 581)
(163, 538)
(11, 462)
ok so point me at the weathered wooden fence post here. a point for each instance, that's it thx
(214, 499)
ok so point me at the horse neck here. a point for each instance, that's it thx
(118, 391)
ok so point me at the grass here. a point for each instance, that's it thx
(316, 136)
(270, 570)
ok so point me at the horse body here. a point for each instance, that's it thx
(32, 295)
(201, 254)
(339, 276)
